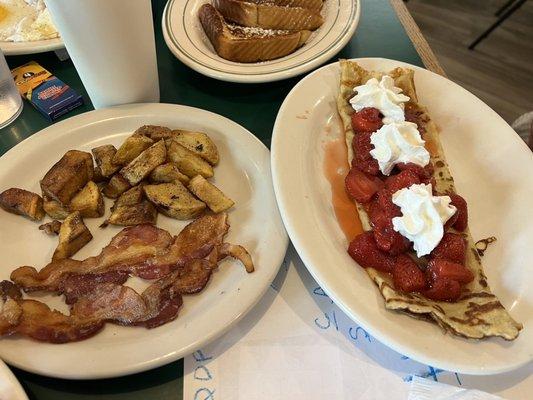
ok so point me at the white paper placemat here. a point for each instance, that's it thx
(297, 344)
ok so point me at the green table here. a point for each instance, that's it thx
(379, 34)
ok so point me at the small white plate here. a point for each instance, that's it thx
(243, 174)
(492, 169)
(10, 388)
(37, 46)
(185, 37)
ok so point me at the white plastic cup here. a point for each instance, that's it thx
(112, 46)
(10, 100)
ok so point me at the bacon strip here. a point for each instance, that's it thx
(143, 250)
(35, 319)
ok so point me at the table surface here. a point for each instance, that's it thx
(380, 34)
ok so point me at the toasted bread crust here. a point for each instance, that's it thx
(239, 47)
(269, 16)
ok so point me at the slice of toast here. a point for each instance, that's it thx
(310, 4)
(246, 44)
(265, 14)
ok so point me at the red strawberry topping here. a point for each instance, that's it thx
(407, 276)
(452, 247)
(367, 120)
(360, 187)
(444, 269)
(364, 251)
(444, 290)
(362, 158)
(402, 180)
(462, 212)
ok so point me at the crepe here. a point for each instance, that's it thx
(478, 313)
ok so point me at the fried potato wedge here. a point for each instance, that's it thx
(174, 200)
(22, 202)
(116, 186)
(209, 194)
(166, 173)
(131, 148)
(144, 163)
(188, 162)
(73, 235)
(51, 228)
(154, 132)
(199, 143)
(133, 214)
(68, 176)
(55, 209)
(88, 201)
(103, 155)
(130, 197)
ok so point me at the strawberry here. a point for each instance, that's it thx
(452, 247)
(367, 120)
(364, 251)
(362, 158)
(462, 212)
(402, 180)
(444, 290)
(381, 212)
(424, 173)
(443, 269)
(359, 186)
(407, 276)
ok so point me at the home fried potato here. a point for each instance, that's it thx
(166, 173)
(73, 235)
(154, 132)
(131, 148)
(116, 186)
(22, 202)
(199, 143)
(130, 197)
(210, 194)
(51, 228)
(103, 155)
(174, 200)
(144, 163)
(133, 214)
(88, 201)
(97, 175)
(68, 176)
(54, 209)
(188, 162)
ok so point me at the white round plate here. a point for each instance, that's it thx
(185, 37)
(492, 169)
(243, 174)
(9, 386)
(37, 46)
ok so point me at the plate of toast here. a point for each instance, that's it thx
(252, 41)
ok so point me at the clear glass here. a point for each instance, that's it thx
(10, 100)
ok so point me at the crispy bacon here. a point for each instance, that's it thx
(143, 250)
(35, 319)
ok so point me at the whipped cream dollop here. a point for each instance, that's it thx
(398, 142)
(382, 95)
(423, 216)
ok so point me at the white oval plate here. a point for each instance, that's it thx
(243, 174)
(492, 169)
(34, 47)
(185, 37)
(9, 386)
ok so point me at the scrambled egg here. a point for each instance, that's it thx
(25, 20)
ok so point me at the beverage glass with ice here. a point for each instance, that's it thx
(10, 100)
(112, 46)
